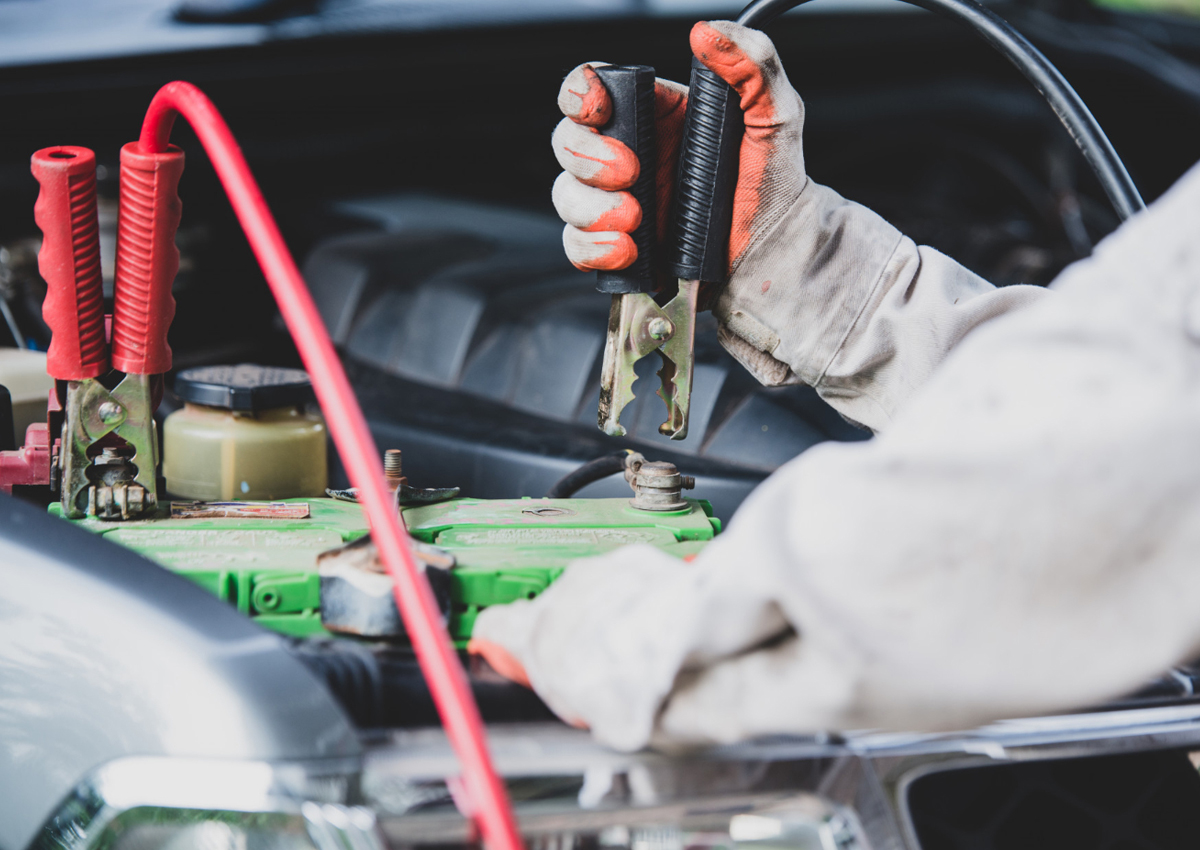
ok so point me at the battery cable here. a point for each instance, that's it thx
(487, 797)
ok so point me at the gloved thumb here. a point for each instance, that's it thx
(747, 60)
(771, 164)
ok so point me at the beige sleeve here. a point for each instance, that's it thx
(838, 299)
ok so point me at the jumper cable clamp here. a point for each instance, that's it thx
(107, 464)
(642, 320)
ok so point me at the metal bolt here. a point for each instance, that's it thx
(109, 412)
(393, 470)
(660, 328)
(108, 455)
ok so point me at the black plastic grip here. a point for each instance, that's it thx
(702, 211)
(631, 88)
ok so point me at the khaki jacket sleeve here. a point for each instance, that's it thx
(836, 298)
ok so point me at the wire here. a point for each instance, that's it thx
(434, 651)
(1064, 100)
(11, 321)
(589, 473)
(1111, 43)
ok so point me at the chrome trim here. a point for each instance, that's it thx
(563, 783)
(560, 779)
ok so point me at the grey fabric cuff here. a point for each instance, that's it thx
(838, 299)
(801, 289)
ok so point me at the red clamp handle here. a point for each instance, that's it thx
(69, 261)
(147, 259)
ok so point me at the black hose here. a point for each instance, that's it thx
(1063, 99)
(381, 686)
(1109, 43)
(8, 431)
(589, 473)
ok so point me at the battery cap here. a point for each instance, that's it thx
(245, 387)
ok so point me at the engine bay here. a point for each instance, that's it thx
(421, 215)
(471, 343)
(409, 175)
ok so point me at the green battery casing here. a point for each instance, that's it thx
(505, 549)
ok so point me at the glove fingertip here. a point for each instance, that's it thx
(590, 251)
(746, 59)
(621, 255)
(737, 54)
(625, 216)
(584, 99)
(593, 159)
(620, 171)
(712, 47)
(500, 659)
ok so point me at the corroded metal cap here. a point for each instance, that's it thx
(658, 486)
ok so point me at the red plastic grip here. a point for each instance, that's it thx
(70, 262)
(147, 259)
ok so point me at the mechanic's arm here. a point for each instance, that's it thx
(1022, 539)
(822, 291)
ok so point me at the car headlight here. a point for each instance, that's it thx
(156, 803)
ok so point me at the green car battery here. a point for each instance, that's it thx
(508, 549)
(504, 549)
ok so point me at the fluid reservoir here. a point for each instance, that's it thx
(24, 374)
(244, 433)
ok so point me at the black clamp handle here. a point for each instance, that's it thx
(702, 211)
(631, 88)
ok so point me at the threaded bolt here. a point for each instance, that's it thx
(393, 471)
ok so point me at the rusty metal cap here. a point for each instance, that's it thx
(658, 486)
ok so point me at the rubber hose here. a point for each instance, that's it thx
(589, 473)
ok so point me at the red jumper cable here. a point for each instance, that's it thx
(435, 653)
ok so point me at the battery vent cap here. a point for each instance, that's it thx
(246, 387)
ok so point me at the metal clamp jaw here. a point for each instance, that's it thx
(700, 219)
(118, 480)
(637, 323)
(636, 327)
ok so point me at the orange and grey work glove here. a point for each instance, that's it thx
(821, 290)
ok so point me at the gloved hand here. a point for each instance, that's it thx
(588, 195)
(821, 291)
